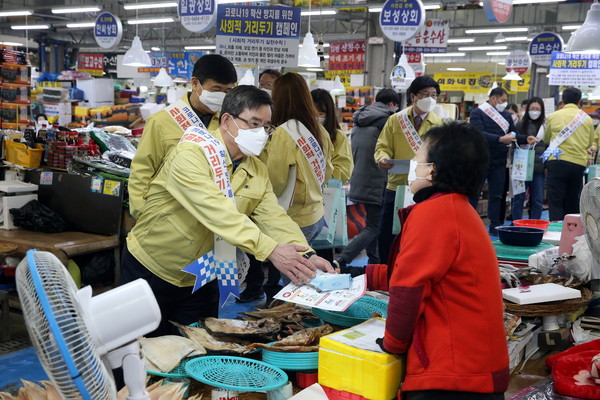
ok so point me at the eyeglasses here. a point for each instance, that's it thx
(426, 94)
(269, 128)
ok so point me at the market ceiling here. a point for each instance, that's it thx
(349, 22)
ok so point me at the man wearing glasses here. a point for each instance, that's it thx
(187, 206)
(399, 140)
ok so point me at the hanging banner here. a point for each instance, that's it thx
(197, 15)
(347, 56)
(518, 61)
(497, 10)
(91, 63)
(415, 60)
(159, 60)
(401, 19)
(108, 30)
(478, 82)
(267, 36)
(542, 46)
(574, 69)
(181, 64)
(431, 38)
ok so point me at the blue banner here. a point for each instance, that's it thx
(181, 64)
(574, 69)
(254, 21)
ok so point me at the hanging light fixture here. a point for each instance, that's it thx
(307, 56)
(338, 87)
(512, 76)
(163, 79)
(586, 39)
(247, 79)
(136, 56)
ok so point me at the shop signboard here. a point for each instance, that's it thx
(347, 56)
(574, 69)
(91, 63)
(108, 30)
(415, 60)
(431, 38)
(400, 20)
(518, 61)
(159, 60)
(542, 46)
(497, 10)
(181, 64)
(478, 82)
(266, 36)
(197, 15)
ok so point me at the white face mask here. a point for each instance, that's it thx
(269, 91)
(501, 106)
(321, 120)
(212, 100)
(412, 171)
(426, 104)
(534, 114)
(250, 141)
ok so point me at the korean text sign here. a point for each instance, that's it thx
(573, 69)
(432, 37)
(347, 56)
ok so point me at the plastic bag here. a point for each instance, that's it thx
(34, 216)
(581, 266)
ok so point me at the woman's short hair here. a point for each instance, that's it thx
(460, 156)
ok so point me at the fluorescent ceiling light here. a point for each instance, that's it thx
(461, 40)
(515, 2)
(496, 30)
(501, 63)
(432, 6)
(456, 69)
(239, 1)
(443, 54)
(14, 13)
(326, 56)
(319, 12)
(28, 27)
(81, 25)
(497, 53)
(511, 39)
(155, 48)
(314, 69)
(145, 6)
(324, 45)
(149, 21)
(208, 47)
(12, 44)
(481, 48)
(570, 27)
(73, 10)
(375, 9)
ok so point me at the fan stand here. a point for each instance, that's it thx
(128, 357)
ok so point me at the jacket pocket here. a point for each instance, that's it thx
(419, 345)
(186, 229)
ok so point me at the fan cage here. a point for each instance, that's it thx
(67, 352)
(590, 215)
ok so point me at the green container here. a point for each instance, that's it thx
(555, 227)
(517, 253)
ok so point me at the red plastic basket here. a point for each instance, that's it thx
(532, 223)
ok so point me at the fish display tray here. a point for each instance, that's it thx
(176, 373)
(236, 373)
(358, 312)
(291, 361)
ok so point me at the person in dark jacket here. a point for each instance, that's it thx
(533, 123)
(496, 124)
(368, 181)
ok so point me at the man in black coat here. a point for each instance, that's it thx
(497, 126)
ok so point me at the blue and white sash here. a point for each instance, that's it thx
(563, 135)
(219, 263)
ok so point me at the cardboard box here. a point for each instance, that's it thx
(13, 112)
(62, 110)
(15, 73)
(15, 93)
(367, 373)
(554, 340)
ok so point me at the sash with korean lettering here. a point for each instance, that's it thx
(563, 135)
(219, 263)
(309, 146)
(408, 129)
(495, 115)
(183, 115)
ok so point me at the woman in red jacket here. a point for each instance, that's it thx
(445, 307)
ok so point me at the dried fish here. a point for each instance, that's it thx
(33, 391)
(51, 392)
(286, 349)
(166, 352)
(6, 396)
(212, 344)
(306, 336)
(234, 327)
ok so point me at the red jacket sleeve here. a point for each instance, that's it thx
(377, 277)
(428, 248)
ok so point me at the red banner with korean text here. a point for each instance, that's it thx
(347, 56)
(91, 63)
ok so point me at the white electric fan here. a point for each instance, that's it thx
(589, 208)
(78, 337)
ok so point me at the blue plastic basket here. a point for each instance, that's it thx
(358, 312)
(236, 373)
(291, 361)
(176, 373)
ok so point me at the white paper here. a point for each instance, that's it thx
(336, 300)
(400, 166)
(313, 392)
(362, 336)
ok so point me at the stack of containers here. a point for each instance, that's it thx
(15, 90)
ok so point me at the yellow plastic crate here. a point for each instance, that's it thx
(20, 154)
(372, 375)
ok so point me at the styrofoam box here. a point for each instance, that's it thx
(540, 293)
(13, 186)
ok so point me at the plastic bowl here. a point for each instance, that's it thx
(532, 223)
(520, 235)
